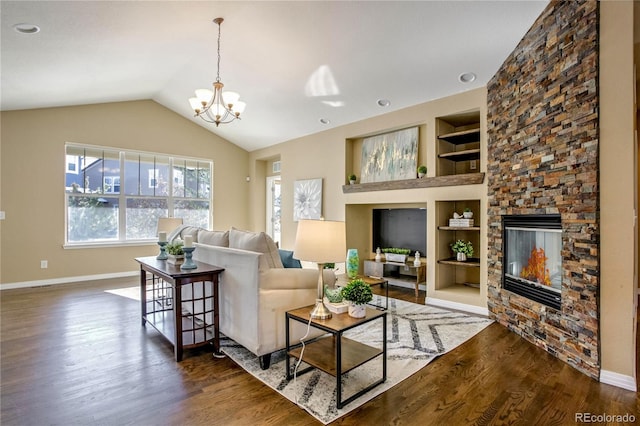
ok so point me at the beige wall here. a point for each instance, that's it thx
(617, 296)
(328, 155)
(32, 181)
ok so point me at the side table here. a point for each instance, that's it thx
(335, 354)
(181, 304)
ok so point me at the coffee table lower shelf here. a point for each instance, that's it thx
(335, 354)
(321, 354)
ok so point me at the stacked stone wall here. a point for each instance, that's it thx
(542, 128)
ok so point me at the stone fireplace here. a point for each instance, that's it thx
(532, 265)
(542, 145)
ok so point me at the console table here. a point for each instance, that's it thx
(335, 354)
(181, 304)
(375, 269)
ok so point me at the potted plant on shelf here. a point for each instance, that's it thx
(462, 250)
(467, 213)
(422, 171)
(358, 293)
(175, 254)
(352, 179)
(392, 254)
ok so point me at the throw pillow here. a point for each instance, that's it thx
(183, 230)
(214, 238)
(256, 241)
(287, 259)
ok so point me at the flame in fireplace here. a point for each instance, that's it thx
(535, 270)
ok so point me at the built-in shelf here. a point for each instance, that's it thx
(471, 262)
(451, 273)
(463, 136)
(459, 228)
(426, 182)
(458, 143)
(466, 155)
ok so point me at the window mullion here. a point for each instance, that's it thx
(170, 212)
(122, 201)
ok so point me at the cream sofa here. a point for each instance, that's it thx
(255, 289)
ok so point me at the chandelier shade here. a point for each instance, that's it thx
(216, 106)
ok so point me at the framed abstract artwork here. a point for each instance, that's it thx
(390, 156)
(307, 199)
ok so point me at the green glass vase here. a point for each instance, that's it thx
(352, 263)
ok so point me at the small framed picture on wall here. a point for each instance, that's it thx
(307, 199)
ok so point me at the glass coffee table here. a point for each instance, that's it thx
(343, 280)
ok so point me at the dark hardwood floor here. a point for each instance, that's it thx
(74, 354)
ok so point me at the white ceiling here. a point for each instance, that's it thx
(407, 52)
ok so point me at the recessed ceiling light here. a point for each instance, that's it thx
(384, 102)
(466, 77)
(325, 121)
(26, 28)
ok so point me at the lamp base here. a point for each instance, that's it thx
(320, 311)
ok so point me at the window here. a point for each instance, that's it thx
(117, 196)
(111, 184)
(153, 178)
(72, 164)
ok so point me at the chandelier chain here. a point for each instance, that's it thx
(218, 74)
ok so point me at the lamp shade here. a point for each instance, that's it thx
(320, 241)
(168, 224)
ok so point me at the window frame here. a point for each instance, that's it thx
(123, 196)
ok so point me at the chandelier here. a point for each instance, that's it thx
(216, 106)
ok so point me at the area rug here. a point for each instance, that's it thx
(128, 292)
(416, 335)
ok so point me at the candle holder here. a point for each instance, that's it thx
(188, 262)
(163, 253)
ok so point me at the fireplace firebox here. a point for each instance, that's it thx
(532, 263)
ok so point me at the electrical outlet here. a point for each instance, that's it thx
(2, 215)
(44, 264)
(472, 164)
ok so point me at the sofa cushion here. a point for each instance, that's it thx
(287, 259)
(214, 238)
(256, 241)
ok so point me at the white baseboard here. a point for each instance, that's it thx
(477, 310)
(67, 280)
(618, 380)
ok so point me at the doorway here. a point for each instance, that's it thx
(274, 199)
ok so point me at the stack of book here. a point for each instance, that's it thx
(461, 222)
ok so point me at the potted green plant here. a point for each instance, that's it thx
(358, 293)
(175, 254)
(462, 250)
(422, 171)
(393, 254)
(467, 213)
(352, 179)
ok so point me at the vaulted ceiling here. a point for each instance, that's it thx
(293, 62)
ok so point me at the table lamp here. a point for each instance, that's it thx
(320, 241)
